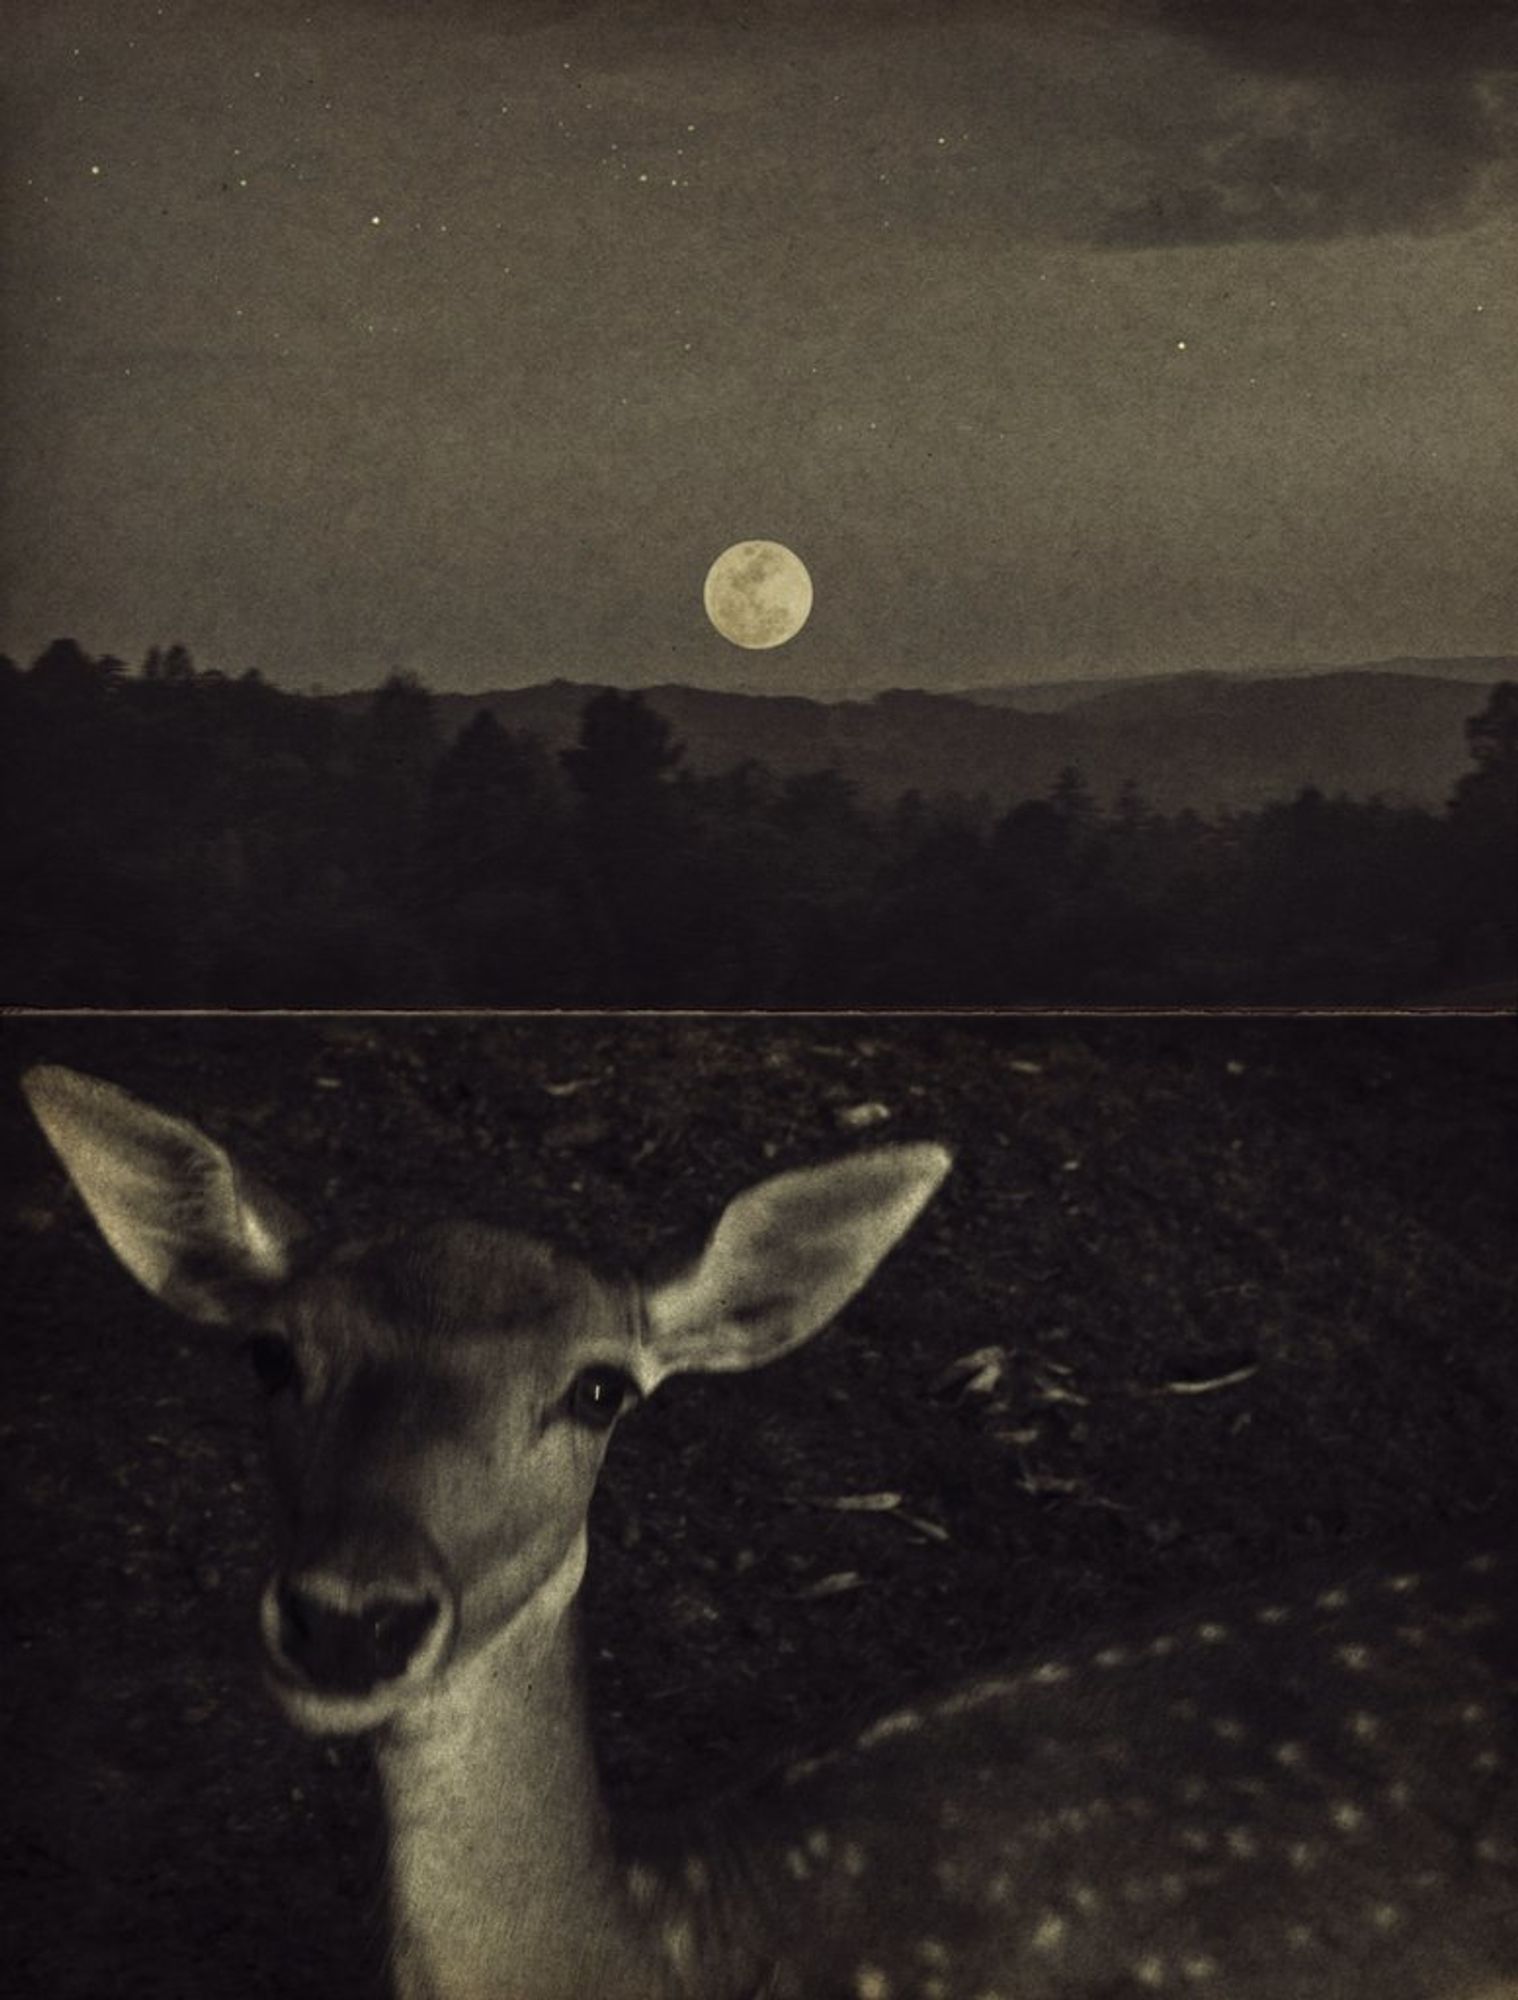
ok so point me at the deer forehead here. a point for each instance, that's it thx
(460, 1295)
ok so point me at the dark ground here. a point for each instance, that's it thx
(1139, 1208)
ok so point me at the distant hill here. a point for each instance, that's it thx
(1039, 697)
(1209, 741)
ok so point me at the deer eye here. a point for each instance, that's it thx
(273, 1362)
(598, 1396)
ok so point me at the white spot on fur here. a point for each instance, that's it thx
(1406, 1581)
(958, 1704)
(1347, 1816)
(852, 1860)
(642, 1887)
(1150, 1972)
(1212, 1635)
(697, 1875)
(1364, 1727)
(1272, 1614)
(1474, 1621)
(901, 1724)
(1050, 1673)
(1291, 1756)
(1355, 1657)
(1112, 1656)
(1199, 1968)
(933, 1951)
(1242, 1843)
(1333, 1600)
(870, 1983)
(1050, 1931)
(680, 1947)
(1000, 1689)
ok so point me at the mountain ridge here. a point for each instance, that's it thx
(1475, 668)
(1209, 741)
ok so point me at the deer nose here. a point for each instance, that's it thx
(340, 1648)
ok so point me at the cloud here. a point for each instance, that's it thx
(1354, 38)
(1322, 118)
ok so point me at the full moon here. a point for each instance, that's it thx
(758, 594)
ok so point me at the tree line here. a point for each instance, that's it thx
(177, 837)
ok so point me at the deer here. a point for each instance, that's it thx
(1297, 1791)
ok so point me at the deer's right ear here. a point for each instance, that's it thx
(181, 1216)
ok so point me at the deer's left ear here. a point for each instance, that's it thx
(183, 1218)
(784, 1258)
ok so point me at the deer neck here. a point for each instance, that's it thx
(503, 1880)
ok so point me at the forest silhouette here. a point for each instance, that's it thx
(180, 838)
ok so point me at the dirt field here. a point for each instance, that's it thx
(1321, 1211)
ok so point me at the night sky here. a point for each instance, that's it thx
(1055, 339)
